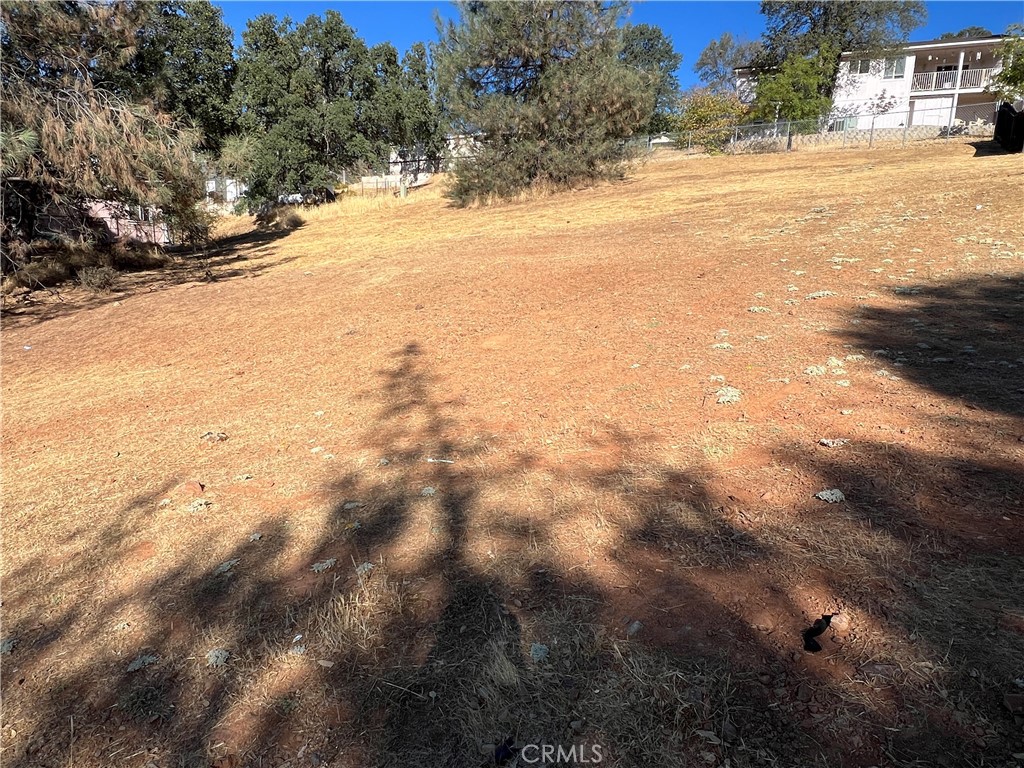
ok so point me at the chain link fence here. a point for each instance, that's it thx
(837, 131)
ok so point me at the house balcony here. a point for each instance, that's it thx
(970, 79)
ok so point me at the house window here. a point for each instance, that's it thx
(895, 68)
(860, 66)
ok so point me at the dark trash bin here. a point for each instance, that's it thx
(1010, 128)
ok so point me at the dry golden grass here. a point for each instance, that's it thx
(557, 350)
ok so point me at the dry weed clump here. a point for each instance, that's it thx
(288, 218)
(98, 278)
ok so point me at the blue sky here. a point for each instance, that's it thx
(691, 25)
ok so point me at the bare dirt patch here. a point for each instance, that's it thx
(497, 434)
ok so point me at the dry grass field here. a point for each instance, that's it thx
(478, 490)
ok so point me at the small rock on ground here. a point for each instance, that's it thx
(728, 395)
(142, 662)
(831, 495)
(218, 657)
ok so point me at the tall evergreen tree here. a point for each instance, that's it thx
(303, 95)
(384, 119)
(649, 50)
(423, 130)
(312, 100)
(183, 65)
(543, 89)
(199, 69)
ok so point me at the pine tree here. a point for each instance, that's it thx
(542, 88)
(74, 135)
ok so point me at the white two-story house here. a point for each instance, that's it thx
(929, 83)
(938, 82)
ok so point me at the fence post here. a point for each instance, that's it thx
(906, 124)
(846, 125)
(789, 135)
(871, 136)
(735, 134)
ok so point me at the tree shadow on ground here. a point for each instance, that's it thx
(433, 620)
(243, 255)
(941, 536)
(961, 339)
(989, 148)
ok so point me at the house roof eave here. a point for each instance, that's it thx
(926, 45)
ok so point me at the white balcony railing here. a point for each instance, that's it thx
(946, 81)
(975, 78)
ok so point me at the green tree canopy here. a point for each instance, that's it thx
(1009, 81)
(805, 27)
(313, 100)
(649, 50)
(716, 64)
(795, 90)
(543, 89)
(422, 130)
(966, 32)
(822, 31)
(183, 65)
